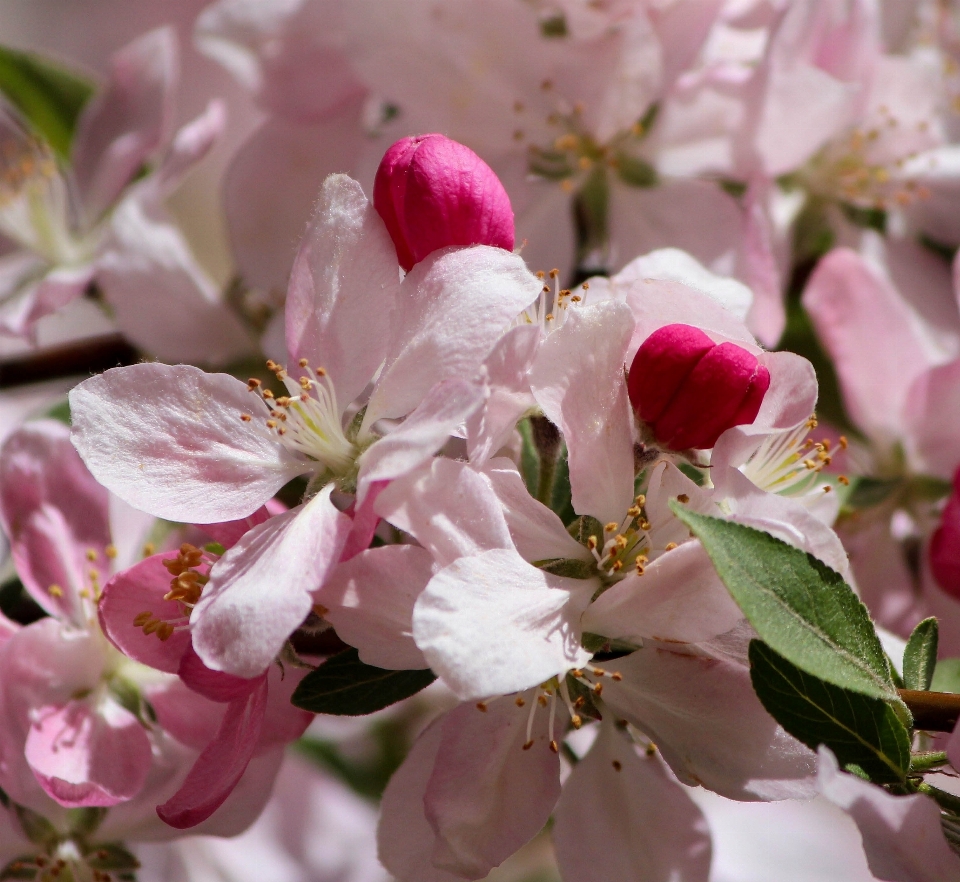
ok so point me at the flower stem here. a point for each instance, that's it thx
(933, 711)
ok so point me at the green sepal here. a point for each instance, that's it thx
(584, 527)
(83, 822)
(111, 856)
(569, 567)
(345, 686)
(635, 172)
(22, 867)
(35, 827)
(554, 26)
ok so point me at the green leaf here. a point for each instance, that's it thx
(345, 686)
(920, 656)
(49, 97)
(861, 731)
(797, 604)
(946, 676)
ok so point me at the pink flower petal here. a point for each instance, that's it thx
(491, 624)
(128, 121)
(54, 513)
(137, 590)
(221, 764)
(902, 837)
(456, 305)
(487, 796)
(651, 828)
(578, 381)
(169, 440)
(260, 591)
(445, 407)
(701, 712)
(343, 286)
(369, 600)
(88, 755)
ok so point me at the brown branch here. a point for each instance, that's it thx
(74, 359)
(933, 711)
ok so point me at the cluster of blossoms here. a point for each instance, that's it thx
(562, 438)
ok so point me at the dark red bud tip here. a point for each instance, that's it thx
(433, 192)
(945, 545)
(690, 390)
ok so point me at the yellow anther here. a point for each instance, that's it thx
(55, 591)
(91, 555)
(670, 546)
(303, 362)
(482, 706)
(611, 527)
(518, 701)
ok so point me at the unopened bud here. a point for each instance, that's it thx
(690, 390)
(945, 545)
(433, 192)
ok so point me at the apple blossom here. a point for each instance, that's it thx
(84, 725)
(349, 320)
(96, 223)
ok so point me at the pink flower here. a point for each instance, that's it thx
(690, 390)
(433, 192)
(257, 716)
(98, 222)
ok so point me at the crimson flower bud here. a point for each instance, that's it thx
(433, 192)
(690, 390)
(945, 545)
